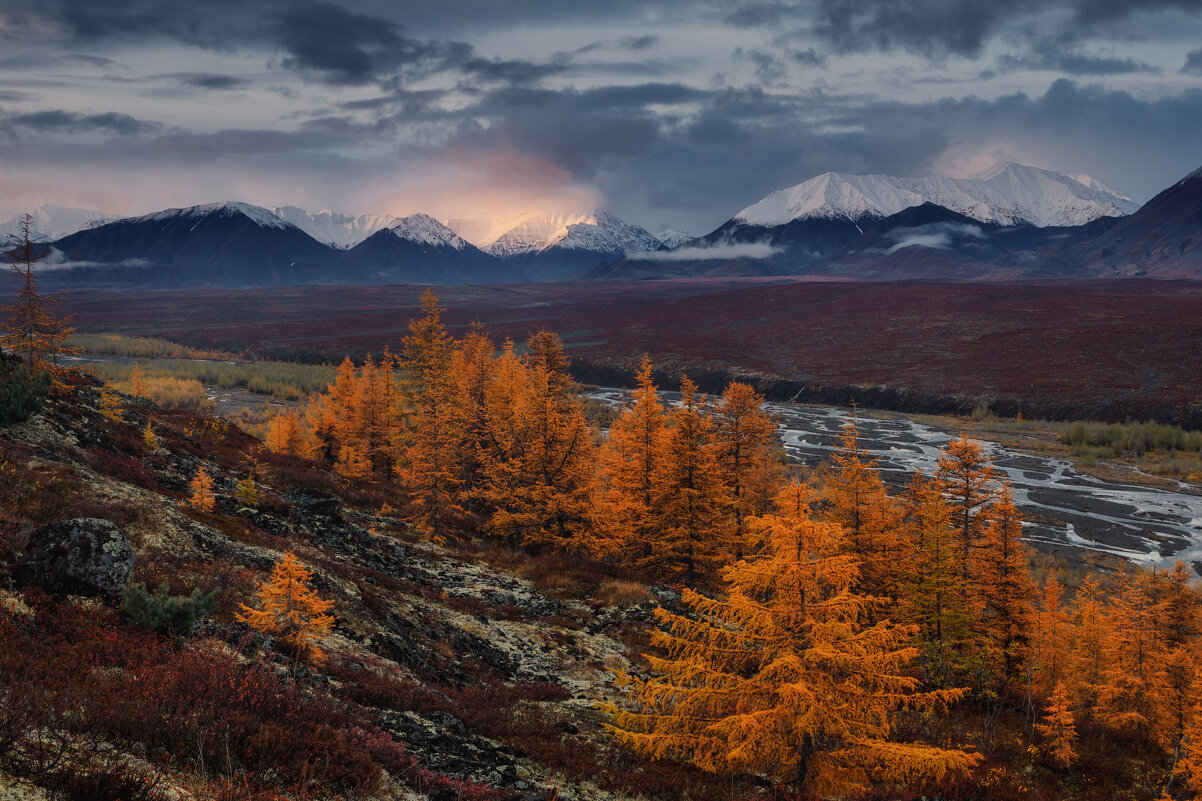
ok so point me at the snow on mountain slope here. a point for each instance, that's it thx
(260, 216)
(339, 230)
(599, 232)
(423, 229)
(1006, 194)
(672, 239)
(51, 221)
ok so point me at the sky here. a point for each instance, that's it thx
(668, 113)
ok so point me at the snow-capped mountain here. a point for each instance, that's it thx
(335, 229)
(672, 239)
(558, 246)
(219, 244)
(51, 221)
(420, 249)
(422, 229)
(1005, 194)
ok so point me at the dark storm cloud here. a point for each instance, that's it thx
(208, 80)
(70, 122)
(204, 23)
(809, 57)
(754, 15)
(639, 43)
(1193, 63)
(94, 61)
(962, 27)
(7, 96)
(1057, 56)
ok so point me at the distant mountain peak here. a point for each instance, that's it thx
(227, 208)
(425, 230)
(53, 221)
(1006, 194)
(598, 231)
(335, 228)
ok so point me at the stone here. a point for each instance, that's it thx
(85, 556)
(306, 501)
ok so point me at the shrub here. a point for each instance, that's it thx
(167, 613)
(111, 780)
(20, 395)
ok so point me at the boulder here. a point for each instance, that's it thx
(85, 556)
(308, 502)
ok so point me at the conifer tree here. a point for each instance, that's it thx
(695, 531)
(33, 332)
(471, 372)
(1050, 662)
(290, 609)
(782, 675)
(431, 468)
(149, 438)
(137, 384)
(1190, 763)
(743, 436)
(630, 462)
(111, 405)
(1132, 697)
(540, 477)
(857, 501)
(935, 597)
(1090, 658)
(968, 479)
(284, 434)
(1178, 634)
(202, 491)
(1005, 592)
(1058, 729)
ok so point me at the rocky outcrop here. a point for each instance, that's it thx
(85, 556)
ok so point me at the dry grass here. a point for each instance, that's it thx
(620, 592)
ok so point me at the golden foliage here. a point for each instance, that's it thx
(1058, 729)
(202, 491)
(783, 675)
(291, 610)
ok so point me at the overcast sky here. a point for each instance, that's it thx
(669, 113)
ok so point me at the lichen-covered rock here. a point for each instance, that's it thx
(308, 502)
(85, 556)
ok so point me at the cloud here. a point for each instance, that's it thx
(71, 122)
(639, 43)
(730, 250)
(1193, 63)
(934, 235)
(208, 80)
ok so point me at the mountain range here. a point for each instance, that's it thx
(1011, 221)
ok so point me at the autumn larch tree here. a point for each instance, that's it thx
(137, 384)
(291, 610)
(743, 436)
(1090, 657)
(1049, 665)
(695, 532)
(857, 501)
(202, 490)
(430, 468)
(783, 676)
(471, 371)
(1133, 694)
(1058, 729)
(149, 438)
(1005, 593)
(284, 434)
(630, 463)
(934, 595)
(1179, 634)
(539, 477)
(33, 332)
(969, 480)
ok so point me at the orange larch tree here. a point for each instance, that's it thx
(33, 331)
(1058, 729)
(783, 675)
(1178, 632)
(202, 491)
(1049, 665)
(743, 438)
(290, 609)
(540, 479)
(856, 500)
(430, 469)
(1090, 658)
(934, 596)
(137, 384)
(630, 467)
(471, 371)
(284, 434)
(1133, 694)
(695, 530)
(1005, 593)
(969, 481)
